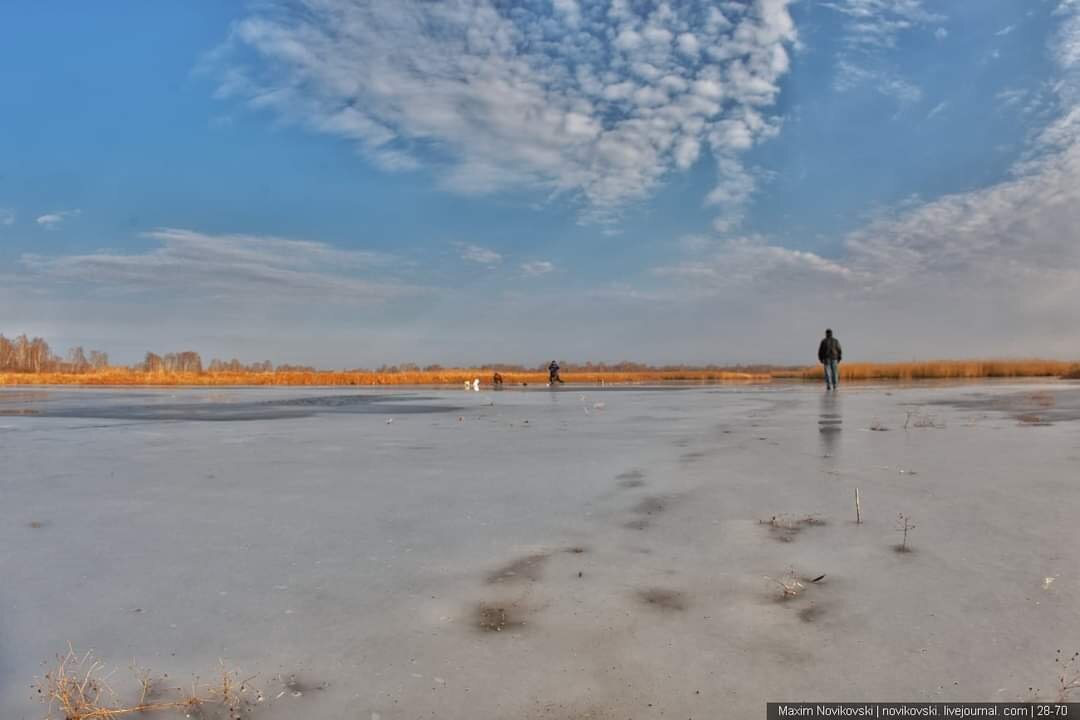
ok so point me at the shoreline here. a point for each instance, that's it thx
(451, 377)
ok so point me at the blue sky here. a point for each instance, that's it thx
(353, 182)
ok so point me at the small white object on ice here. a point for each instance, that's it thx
(389, 420)
(476, 385)
(1048, 582)
(599, 406)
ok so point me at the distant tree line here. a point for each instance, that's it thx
(191, 362)
(32, 355)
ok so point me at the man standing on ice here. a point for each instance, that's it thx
(829, 354)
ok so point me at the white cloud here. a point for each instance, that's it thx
(481, 255)
(1010, 97)
(938, 109)
(877, 23)
(535, 268)
(903, 91)
(592, 100)
(1005, 30)
(7, 216)
(753, 261)
(851, 74)
(871, 29)
(53, 219)
(246, 268)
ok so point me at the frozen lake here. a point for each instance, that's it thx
(579, 553)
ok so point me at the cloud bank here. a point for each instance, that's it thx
(990, 271)
(595, 100)
(247, 268)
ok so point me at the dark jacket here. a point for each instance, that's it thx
(829, 349)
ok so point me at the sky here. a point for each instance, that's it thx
(348, 183)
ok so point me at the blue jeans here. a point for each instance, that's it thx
(832, 373)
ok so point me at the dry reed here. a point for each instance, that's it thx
(938, 369)
(121, 376)
(78, 689)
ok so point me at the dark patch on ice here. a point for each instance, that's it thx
(37, 524)
(631, 479)
(811, 613)
(1037, 408)
(297, 685)
(663, 599)
(276, 409)
(652, 505)
(496, 617)
(530, 567)
(577, 550)
(639, 524)
(902, 549)
(693, 456)
(784, 528)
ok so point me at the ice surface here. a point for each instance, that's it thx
(562, 553)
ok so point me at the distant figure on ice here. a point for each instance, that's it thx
(497, 381)
(829, 354)
(553, 373)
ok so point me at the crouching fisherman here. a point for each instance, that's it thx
(553, 373)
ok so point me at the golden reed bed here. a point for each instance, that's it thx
(435, 377)
(943, 369)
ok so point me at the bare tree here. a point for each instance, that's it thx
(153, 363)
(189, 362)
(99, 360)
(77, 360)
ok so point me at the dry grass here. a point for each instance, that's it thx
(1068, 675)
(938, 369)
(790, 586)
(121, 376)
(78, 689)
(942, 369)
